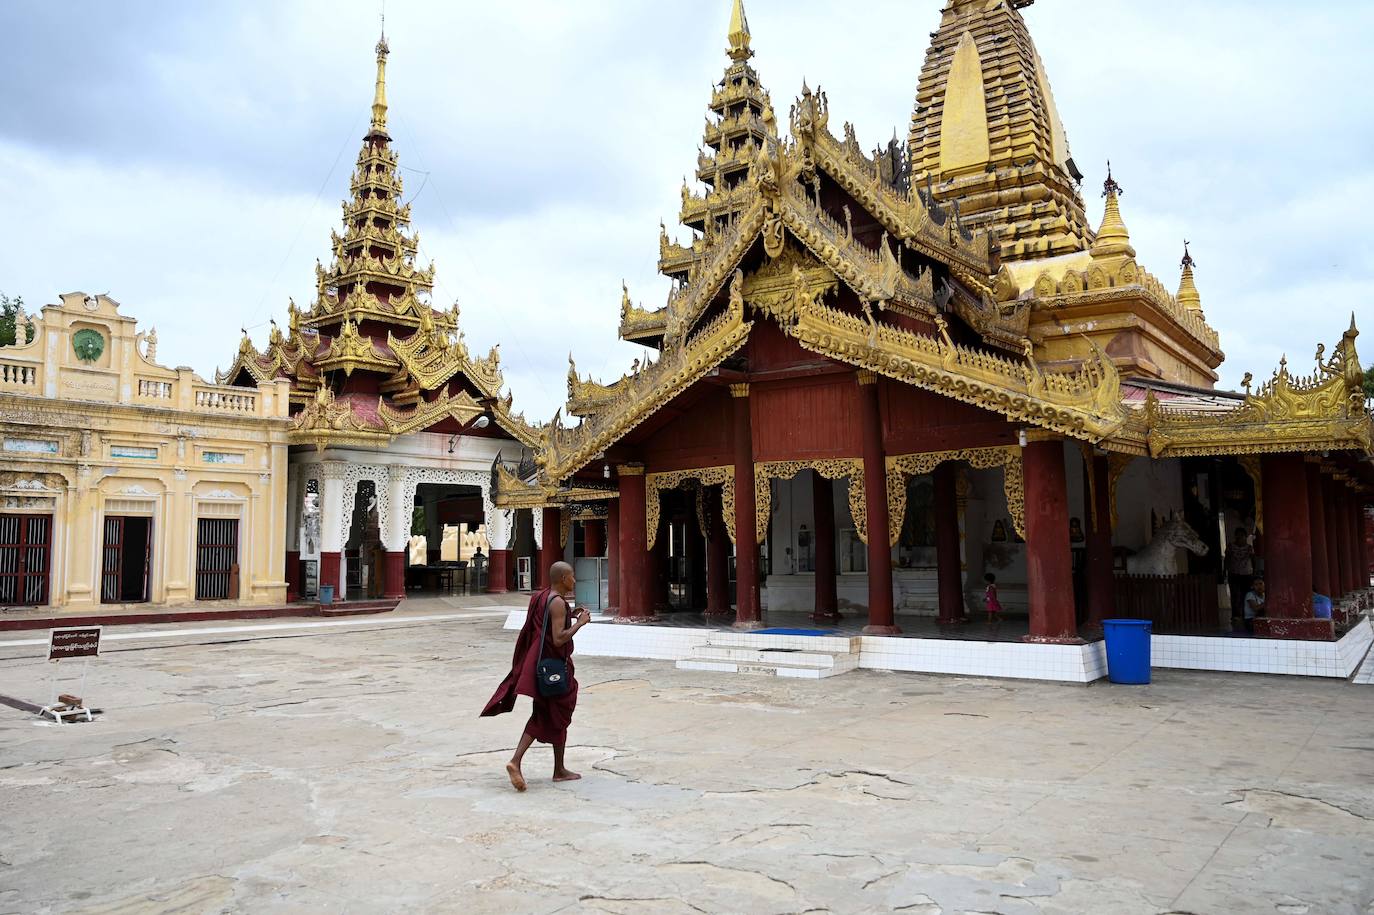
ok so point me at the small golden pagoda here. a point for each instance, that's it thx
(370, 358)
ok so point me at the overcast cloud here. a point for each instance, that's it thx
(189, 159)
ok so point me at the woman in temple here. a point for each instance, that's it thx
(547, 634)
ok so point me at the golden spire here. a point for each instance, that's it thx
(738, 36)
(1112, 237)
(1188, 295)
(379, 97)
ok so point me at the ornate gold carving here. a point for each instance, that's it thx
(328, 421)
(565, 520)
(630, 470)
(644, 392)
(739, 390)
(1116, 466)
(789, 282)
(425, 413)
(656, 483)
(1319, 412)
(866, 376)
(1250, 463)
(1085, 404)
(351, 350)
(902, 466)
(830, 468)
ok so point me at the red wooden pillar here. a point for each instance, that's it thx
(549, 551)
(880, 609)
(633, 556)
(329, 572)
(949, 575)
(1335, 572)
(498, 572)
(1287, 537)
(1362, 529)
(827, 608)
(293, 575)
(1101, 579)
(746, 538)
(592, 544)
(1049, 564)
(696, 565)
(613, 555)
(717, 559)
(394, 575)
(1352, 539)
(1316, 524)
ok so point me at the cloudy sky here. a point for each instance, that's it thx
(189, 158)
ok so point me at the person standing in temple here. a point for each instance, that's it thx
(1240, 571)
(547, 635)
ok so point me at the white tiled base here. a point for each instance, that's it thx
(699, 649)
(1264, 656)
(1014, 660)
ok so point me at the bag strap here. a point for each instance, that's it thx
(543, 630)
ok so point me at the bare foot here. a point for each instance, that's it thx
(566, 775)
(517, 780)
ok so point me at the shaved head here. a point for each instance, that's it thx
(559, 572)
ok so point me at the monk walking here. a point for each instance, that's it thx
(549, 616)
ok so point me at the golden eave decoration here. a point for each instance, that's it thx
(351, 350)
(1324, 411)
(461, 407)
(511, 492)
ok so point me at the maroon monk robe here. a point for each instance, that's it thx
(551, 716)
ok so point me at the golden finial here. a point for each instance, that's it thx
(379, 97)
(1188, 295)
(1112, 237)
(738, 36)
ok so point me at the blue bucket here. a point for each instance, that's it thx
(326, 594)
(1128, 650)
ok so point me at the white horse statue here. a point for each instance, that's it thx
(1160, 556)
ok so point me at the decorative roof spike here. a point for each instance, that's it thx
(1112, 237)
(1188, 295)
(738, 36)
(379, 96)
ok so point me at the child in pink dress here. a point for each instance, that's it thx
(990, 601)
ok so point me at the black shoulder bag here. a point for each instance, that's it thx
(552, 673)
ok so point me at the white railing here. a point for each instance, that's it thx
(17, 375)
(221, 400)
(158, 390)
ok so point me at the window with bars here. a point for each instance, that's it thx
(217, 558)
(25, 558)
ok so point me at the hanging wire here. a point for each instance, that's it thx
(443, 205)
(300, 229)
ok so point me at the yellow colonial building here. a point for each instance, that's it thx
(127, 482)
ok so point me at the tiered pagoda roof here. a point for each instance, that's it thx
(968, 270)
(371, 358)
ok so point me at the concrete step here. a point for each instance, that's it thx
(763, 668)
(772, 655)
(834, 644)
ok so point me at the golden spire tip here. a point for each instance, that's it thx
(738, 36)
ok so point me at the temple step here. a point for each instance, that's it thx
(773, 655)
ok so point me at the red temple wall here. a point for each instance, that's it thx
(806, 418)
(699, 437)
(916, 421)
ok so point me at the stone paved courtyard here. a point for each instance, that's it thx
(344, 769)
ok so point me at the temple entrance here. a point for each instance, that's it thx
(364, 554)
(126, 559)
(448, 549)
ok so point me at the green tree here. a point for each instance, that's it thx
(1369, 382)
(9, 310)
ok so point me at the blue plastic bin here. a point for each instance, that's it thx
(1128, 650)
(1321, 606)
(326, 594)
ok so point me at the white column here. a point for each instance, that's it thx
(332, 507)
(294, 487)
(400, 501)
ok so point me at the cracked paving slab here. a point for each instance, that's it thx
(347, 772)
